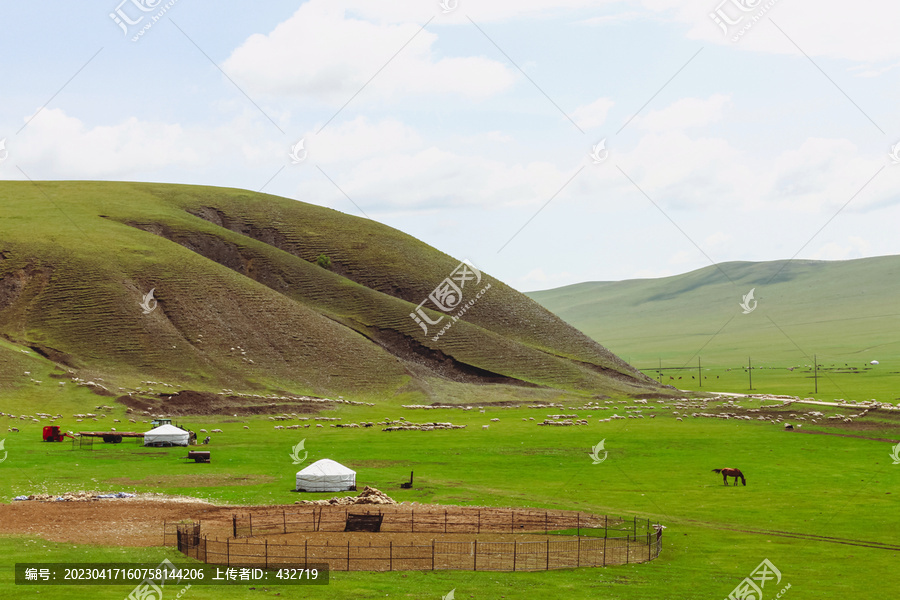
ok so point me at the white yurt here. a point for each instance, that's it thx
(326, 475)
(166, 435)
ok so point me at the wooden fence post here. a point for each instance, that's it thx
(234, 525)
(391, 556)
(578, 559)
(475, 561)
(348, 554)
(548, 554)
(266, 562)
(515, 553)
(432, 555)
(604, 550)
(627, 547)
(251, 524)
(579, 522)
(227, 552)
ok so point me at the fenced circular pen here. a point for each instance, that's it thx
(415, 538)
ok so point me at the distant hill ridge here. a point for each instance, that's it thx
(845, 310)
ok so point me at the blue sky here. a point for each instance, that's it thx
(472, 129)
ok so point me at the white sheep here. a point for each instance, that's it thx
(484, 426)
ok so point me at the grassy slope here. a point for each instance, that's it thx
(78, 256)
(844, 312)
(824, 485)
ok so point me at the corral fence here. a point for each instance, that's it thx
(572, 539)
(452, 520)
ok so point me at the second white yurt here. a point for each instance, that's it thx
(326, 475)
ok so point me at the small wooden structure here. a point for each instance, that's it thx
(371, 523)
(407, 484)
(198, 455)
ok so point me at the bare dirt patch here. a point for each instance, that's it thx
(189, 402)
(125, 522)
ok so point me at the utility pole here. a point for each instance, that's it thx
(750, 371)
(699, 372)
(816, 372)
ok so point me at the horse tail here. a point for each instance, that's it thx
(717, 470)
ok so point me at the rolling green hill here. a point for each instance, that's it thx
(243, 304)
(843, 314)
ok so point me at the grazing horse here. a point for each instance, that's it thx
(726, 473)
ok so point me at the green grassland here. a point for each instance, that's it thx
(236, 278)
(840, 314)
(826, 485)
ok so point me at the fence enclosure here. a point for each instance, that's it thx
(582, 539)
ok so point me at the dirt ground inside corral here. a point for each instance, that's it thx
(134, 521)
(112, 522)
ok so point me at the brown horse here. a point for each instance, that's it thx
(726, 473)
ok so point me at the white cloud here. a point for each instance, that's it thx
(479, 10)
(686, 113)
(432, 177)
(823, 174)
(539, 279)
(673, 167)
(320, 52)
(716, 239)
(855, 247)
(614, 18)
(594, 114)
(827, 28)
(360, 139)
(55, 144)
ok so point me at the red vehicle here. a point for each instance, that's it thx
(52, 434)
